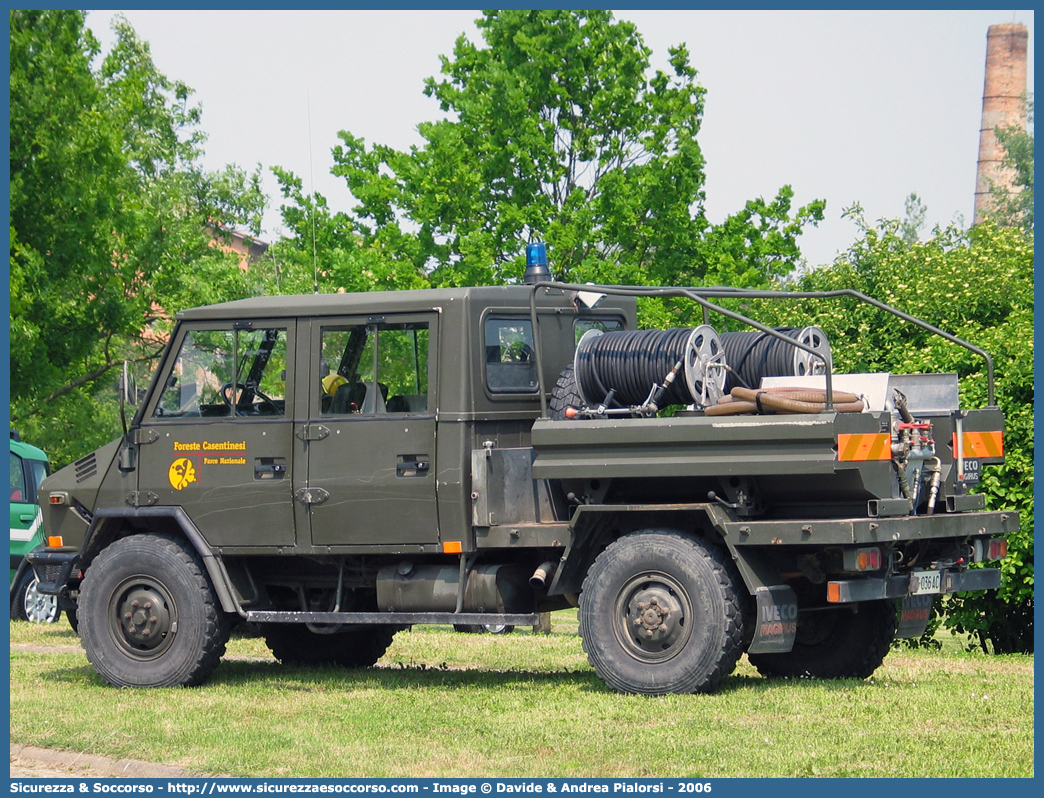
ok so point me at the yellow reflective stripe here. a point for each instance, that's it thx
(864, 446)
(982, 444)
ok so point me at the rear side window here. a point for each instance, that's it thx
(374, 368)
(604, 325)
(510, 356)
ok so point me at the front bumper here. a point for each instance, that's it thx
(904, 585)
(52, 569)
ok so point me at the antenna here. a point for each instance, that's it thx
(311, 180)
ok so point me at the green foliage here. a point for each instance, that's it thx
(555, 130)
(977, 285)
(1016, 208)
(110, 219)
(322, 251)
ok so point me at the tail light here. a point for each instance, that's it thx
(998, 549)
(868, 559)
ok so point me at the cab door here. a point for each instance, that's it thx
(217, 434)
(369, 440)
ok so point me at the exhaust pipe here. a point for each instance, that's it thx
(542, 575)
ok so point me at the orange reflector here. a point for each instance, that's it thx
(55, 499)
(54, 541)
(981, 444)
(833, 592)
(452, 547)
(864, 446)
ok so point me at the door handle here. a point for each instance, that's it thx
(26, 518)
(269, 468)
(412, 468)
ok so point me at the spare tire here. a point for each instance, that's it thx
(565, 394)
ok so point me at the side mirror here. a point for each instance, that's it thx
(128, 388)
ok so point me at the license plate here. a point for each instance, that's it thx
(927, 582)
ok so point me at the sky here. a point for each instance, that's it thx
(846, 106)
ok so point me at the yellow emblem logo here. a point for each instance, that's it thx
(182, 473)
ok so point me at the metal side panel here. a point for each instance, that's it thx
(504, 491)
(693, 446)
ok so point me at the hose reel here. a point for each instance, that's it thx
(629, 365)
(637, 369)
(753, 355)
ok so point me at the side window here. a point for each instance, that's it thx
(227, 373)
(510, 357)
(580, 326)
(18, 491)
(38, 471)
(375, 368)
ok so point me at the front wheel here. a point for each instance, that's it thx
(39, 607)
(836, 643)
(148, 616)
(662, 612)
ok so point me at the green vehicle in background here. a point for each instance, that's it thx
(28, 468)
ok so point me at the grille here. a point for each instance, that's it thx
(86, 468)
(51, 573)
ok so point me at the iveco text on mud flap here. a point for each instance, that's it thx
(337, 467)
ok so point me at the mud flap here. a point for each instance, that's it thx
(914, 615)
(777, 620)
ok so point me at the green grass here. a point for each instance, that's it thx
(442, 704)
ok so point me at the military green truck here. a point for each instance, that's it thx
(335, 468)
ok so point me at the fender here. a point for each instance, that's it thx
(106, 523)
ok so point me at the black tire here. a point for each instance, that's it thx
(838, 643)
(661, 612)
(74, 621)
(564, 395)
(295, 644)
(18, 596)
(150, 617)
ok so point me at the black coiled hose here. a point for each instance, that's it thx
(630, 362)
(754, 354)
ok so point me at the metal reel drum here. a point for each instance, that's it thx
(705, 365)
(587, 337)
(804, 362)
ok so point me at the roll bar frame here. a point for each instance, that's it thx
(701, 296)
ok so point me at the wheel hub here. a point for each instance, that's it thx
(144, 618)
(653, 609)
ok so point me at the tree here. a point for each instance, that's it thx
(110, 213)
(1016, 208)
(555, 131)
(321, 251)
(977, 285)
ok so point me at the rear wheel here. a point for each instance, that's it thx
(660, 612)
(148, 616)
(296, 644)
(837, 643)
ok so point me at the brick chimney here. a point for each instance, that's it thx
(1003, 104)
